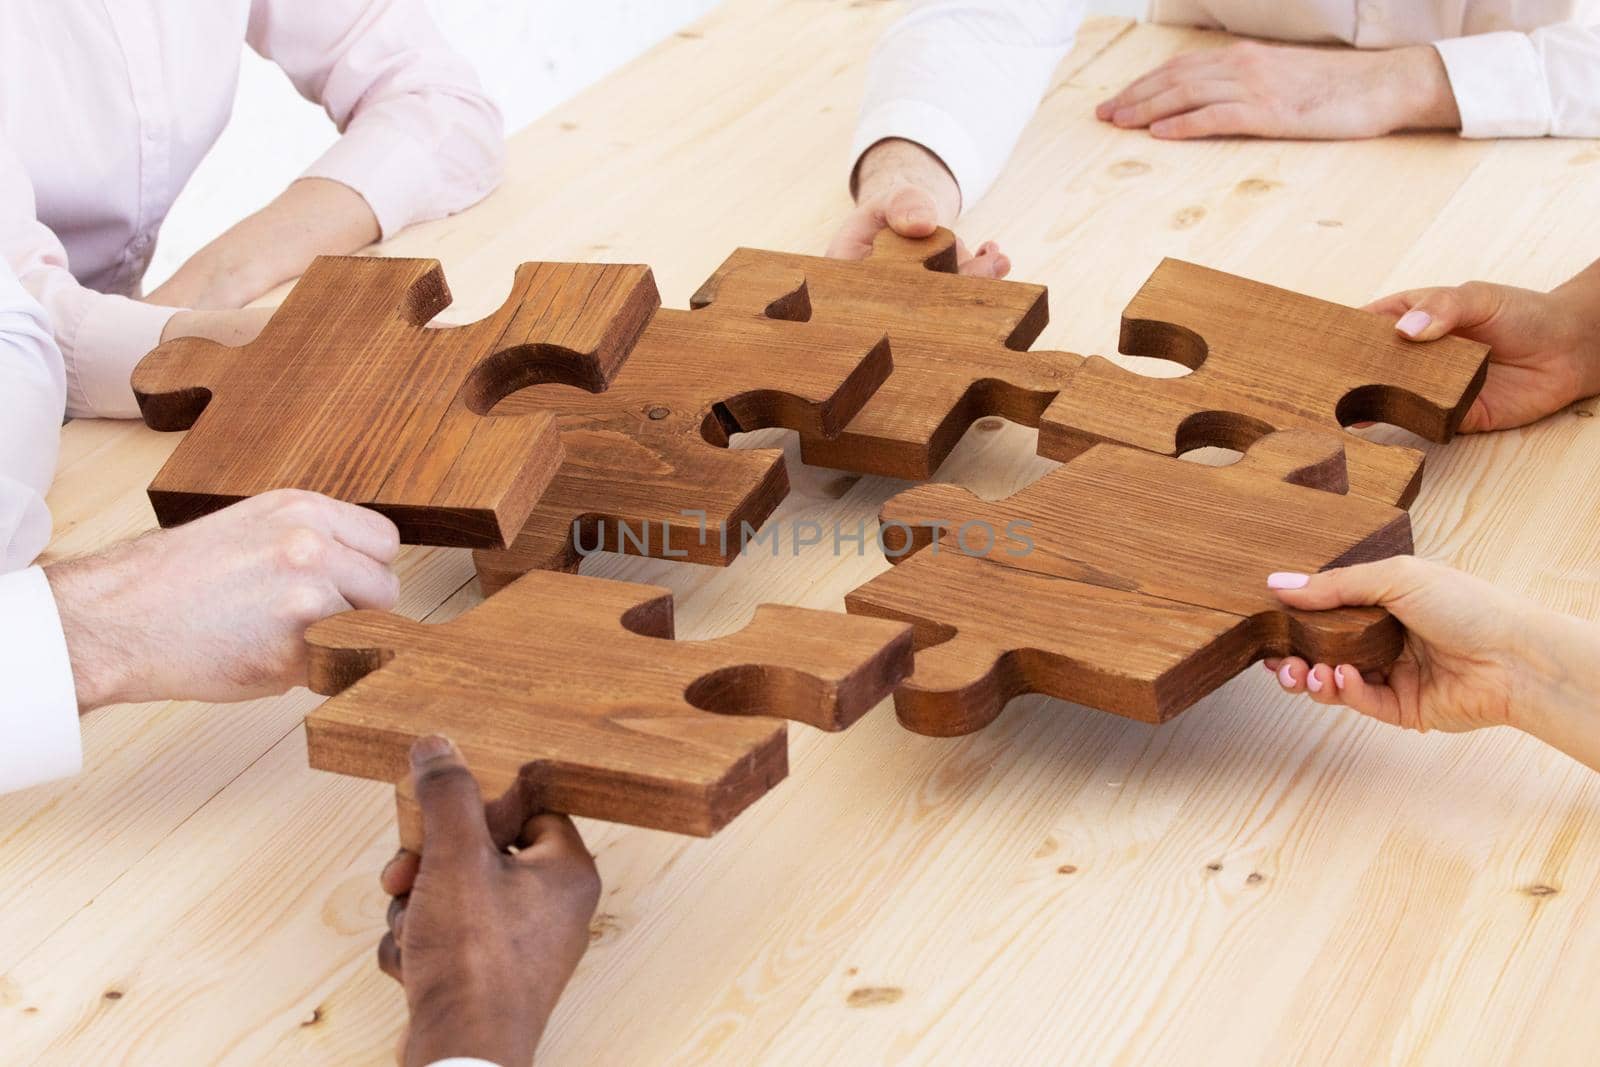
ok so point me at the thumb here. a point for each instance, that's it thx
(1429, 314)
(453, 824)
(911, 212)
(1365, 585)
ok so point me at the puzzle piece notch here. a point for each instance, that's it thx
(347, 392)
(600, 714)
(1146, 586)
(648, 468)
(960, 346)
(1265, 359)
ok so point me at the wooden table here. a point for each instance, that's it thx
(1261, 881)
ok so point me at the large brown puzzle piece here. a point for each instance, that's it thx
(1126, 581)
(647, 467)
(960, 348)
(349, 393)
(1266, 359)
(571, 691)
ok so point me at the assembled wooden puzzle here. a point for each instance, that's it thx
(581, 412)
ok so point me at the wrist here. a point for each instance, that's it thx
(1580, 297)
(483, 1024)
(87, 594)
(1421, 90)
(1557, 678)
(894, 162)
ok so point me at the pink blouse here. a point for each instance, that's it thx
(108, 106)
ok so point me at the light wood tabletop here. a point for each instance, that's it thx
(1259, 882)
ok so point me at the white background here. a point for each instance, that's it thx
(531, 55)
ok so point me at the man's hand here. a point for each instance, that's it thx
(1257, 90)
(903, 187)
(1545, 347)
(217, 610)
(483, 940)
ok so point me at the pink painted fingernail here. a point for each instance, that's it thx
(1313, 682)
(1287, 580)
(1286, 677)
(1338, 678)
(1414, 322)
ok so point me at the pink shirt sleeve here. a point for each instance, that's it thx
(101, 337)
(420, 138)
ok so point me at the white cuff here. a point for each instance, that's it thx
(113, 336)
(1499, 84)
(936, 130)
(462, 1061)
(392, 171)
(39, 736)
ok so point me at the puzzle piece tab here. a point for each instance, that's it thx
(1126, 581)
(648, 469)
(1266, 359)
(960, 348)
(571, 690)
(347, 392)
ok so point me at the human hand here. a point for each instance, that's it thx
(484, 941)
(217, 609)
(1261, 90)
(905, 188)
(1545, 347)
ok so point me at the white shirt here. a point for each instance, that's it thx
(107, 106)
(963, 77)
(39, 739)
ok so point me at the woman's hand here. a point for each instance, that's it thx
(1258, 90)
(1545, 346)
(903, 187)
(1475, 655)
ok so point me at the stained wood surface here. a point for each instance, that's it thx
(1259, 881)
(648, 468)
(1263, 359)
(959, 344)
(347, 393)
(1127, 581)
(571, 691)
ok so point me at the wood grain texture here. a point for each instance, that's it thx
(571, 691)
(648, 469)
(1126, 581)
(1257, 882)
(349, 393)
(960, 348)
(1265, 359)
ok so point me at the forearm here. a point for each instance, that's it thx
(314, 216)
(1581, 295)
(1558, 697)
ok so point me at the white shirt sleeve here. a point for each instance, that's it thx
(33, 396)
(39, 736)
(1540, 84)
(963, 77)
(460, 1061)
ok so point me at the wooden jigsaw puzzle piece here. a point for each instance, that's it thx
(1265, 359)
(666, 497)
(960, 348)
(648, 468)
(349, 393)
(986, 633)
(1151, 530)
(570, 691)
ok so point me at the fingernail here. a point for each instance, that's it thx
(1313, 682)
(1287, 580)
(431, 747)
(1414, 322)
(1338, 678)
(1286, 677)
